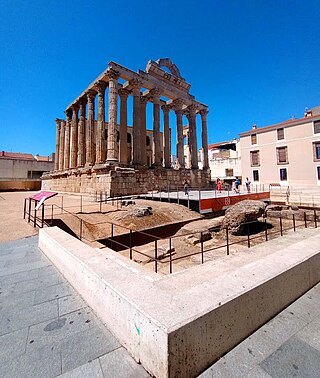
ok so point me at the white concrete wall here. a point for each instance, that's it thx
(17, 169)
(178, 325)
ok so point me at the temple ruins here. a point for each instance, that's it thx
(93, 155)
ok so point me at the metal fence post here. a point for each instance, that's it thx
(24, 209)
(170, 248)
(294, 223)
(266, 228)
(188, 200)
(248, 236)
(315, 218)
(61, 204)
(305, 219)
(160, 192)
(80, 234)
(130, 241)
(80, 204)
(201, 241)
(29, 214)
(51, 214)
(156, 256)
(227, 236)
(111, 236)
(42, 215)
(281, 233)
(178, 200)
(35, 215)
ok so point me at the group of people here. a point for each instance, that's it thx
(235, 185)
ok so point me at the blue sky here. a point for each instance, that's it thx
(249, 61)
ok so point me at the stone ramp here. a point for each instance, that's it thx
(46, 329)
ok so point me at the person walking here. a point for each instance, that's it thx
(237, 184)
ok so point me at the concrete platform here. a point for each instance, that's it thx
(180, 324)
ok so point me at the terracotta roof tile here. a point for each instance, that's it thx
(16, 155)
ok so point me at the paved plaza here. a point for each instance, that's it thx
(46, 330)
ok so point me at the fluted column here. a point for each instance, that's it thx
(143, 129)
(204, 113)
(166, 136)
(61, 147)
(67, 139)
(74, 136)
(81, 132)
(136, 132)
(193, 136)
(156, 127)
(56, 160)
(123, 144)
(100, 138)
(180, 145)
(90, 128)
(112, 155)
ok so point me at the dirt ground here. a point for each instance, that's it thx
(81, 215)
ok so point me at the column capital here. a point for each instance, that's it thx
(177, 105)
(82, 101)
(192, 109)
(144, 100)
(91, 94)
(68, 113)
(101, 87)
(135, 84)
(75, 107)
(123, 93)
(112, 74)
(156, 93)
(58, 121)
(166, 108)
(204, 112)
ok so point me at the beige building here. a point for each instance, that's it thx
(224, 160)
(19, 171)
(285, 154)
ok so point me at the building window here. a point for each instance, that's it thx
(282, 155)
(316, 127)
(318, 172)
(280, 134)
(253, 138)
(283, 174)
(229, 172)
(255, 175)
(316, 151)
(255, 159)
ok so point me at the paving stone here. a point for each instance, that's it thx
(307, 307)
(89, 370)
(23, 260)
(22, 268)
(257, 372)
(70, 304)
(44, 364)
(218, 370)
(19, 277)
(58, 329)
(94, 342)
(17, 301)
(47, 270)
(311, 333)
(293, 359)
(15, 319)
(283, 326)
(119, 364)
(12, 345)
(53, 292)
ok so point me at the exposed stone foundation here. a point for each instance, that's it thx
(124, 181)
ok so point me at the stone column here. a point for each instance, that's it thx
(90, 129)
(112, 155)
(156, 127)
(100, 138)
(193, 136)
(123, 145)
(166, 136)
(74, 136)
(136, 143)
(67, 139)
(61, 148)
(57, 156)
(81, 132)
(143, 129)
(204, 113)
(180, 145)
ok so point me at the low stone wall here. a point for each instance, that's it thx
(122, 181)
(180, 324)
(6, 186)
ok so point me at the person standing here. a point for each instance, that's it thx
(237, 184)
(248, 183)
(219, 185)
(186, 187)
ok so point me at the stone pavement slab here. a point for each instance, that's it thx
(46, 329)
